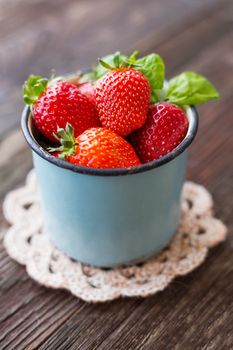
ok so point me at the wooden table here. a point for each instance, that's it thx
(195, 312)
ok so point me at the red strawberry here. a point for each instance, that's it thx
(56, 154)
(165, 128)
(122, 100)
(88, 89)
(96, 148)
(56, 104)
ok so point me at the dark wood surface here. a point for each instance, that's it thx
(196, 311)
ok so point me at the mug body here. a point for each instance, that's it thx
(110, 221)
(109, 217)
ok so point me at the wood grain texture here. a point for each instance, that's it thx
(196, 311)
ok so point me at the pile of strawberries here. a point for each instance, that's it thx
(119, 115)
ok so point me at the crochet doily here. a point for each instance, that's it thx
(26, 242)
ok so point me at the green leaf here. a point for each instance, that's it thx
(152, 66)
(33, 87)
(106, 65)
(38, 89)
(109, 59)
(67, 141)
(33, 79)
(190, 88)
(116, 59)
(27, 100)
(132, 59)
(25, 90)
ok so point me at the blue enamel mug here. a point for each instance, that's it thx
(110, 217)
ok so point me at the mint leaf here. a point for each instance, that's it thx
(152, 66)
(110, 60)
(190, 88)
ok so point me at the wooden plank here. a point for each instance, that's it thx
(195, 312)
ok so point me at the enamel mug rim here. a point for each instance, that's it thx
(192, 116)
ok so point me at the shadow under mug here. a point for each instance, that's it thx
(110, 217)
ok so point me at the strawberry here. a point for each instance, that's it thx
(88, 89)
(96, 148)
(165, 128)
(55, 104)
(122, 100)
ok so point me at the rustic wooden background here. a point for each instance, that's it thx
(195, 312)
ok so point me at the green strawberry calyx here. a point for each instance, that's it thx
(67, 140)
(121, 62)
(33, 88)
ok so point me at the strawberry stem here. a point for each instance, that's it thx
(67, 141)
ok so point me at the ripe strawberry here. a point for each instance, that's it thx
(88, 89)
(96, 148)
(123, 100)
(165, 128)
(58, 103)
